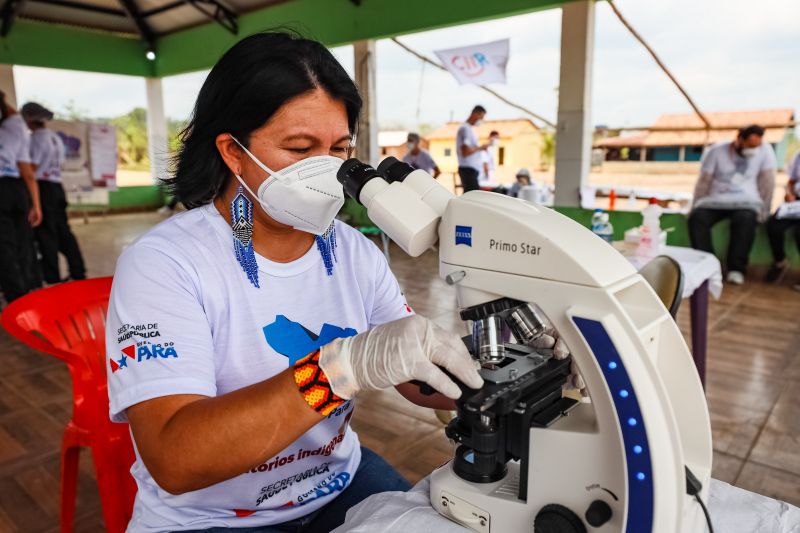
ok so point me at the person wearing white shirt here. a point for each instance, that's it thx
(777, 227)
(469, 152)
(20, 209)
(486, 179)
(54, 234)
(241, 332)
(736, 182)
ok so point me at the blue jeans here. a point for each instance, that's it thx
(373, 475)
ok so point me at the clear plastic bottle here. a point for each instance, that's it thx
(596, 219)
(604, 229)
(650, 231)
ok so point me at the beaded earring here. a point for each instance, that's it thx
(326, 244)
(242, 221)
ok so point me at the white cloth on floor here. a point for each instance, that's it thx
(733, 510)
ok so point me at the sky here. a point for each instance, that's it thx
(728, 54)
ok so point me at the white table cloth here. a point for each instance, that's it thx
(733, 510)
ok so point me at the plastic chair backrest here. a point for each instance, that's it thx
(68, 322)
(664, 275)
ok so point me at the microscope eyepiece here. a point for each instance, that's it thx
(353, 175)
(392, 169)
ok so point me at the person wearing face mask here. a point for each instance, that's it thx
(469, 152)
(523, 180)
(241, 332)
(53, 235)
(736, 182)
(419, 158)
(20, 209)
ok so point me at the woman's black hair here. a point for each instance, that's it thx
(254, 78)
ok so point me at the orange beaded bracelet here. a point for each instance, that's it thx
(314, 386)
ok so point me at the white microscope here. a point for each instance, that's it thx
(633, 457)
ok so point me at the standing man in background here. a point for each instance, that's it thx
(20, 209)
(54, 234)
(470, 159)
(420, 158)
(736, 182)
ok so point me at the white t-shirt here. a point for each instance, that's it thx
(735, 178)
(184, 319)
(466, 135)
(487, 179)
(14, 145)
(47, 153)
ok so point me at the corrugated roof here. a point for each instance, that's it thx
(779, 119)
(392, 138)
(619, 142)
(506, 128)
(162, 16)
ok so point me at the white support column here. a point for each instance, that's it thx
(157, 147)
(365, 67)
(574, 132)
(681, 154)
(7, 84)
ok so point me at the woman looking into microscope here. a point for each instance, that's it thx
(241, 331)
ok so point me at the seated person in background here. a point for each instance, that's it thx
(419, 158)
(777, 227)
(736, 181)
(523, 180)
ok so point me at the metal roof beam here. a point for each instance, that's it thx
(85, 7)
(8, 14)
(165, 7)
(217, 12)
(142, 26)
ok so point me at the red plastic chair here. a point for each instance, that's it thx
(68, 321)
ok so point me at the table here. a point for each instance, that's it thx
(702, 274)
(733, 510)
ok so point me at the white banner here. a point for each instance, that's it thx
(478, 64)
(75, 173)
(103, 155)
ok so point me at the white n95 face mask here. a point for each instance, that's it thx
(305, 195)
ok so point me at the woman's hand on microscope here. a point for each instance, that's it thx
(398, 352)
(551, 341)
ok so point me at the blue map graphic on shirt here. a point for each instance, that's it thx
(295, 341)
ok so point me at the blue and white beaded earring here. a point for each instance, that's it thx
(242, 222)
(326, 244)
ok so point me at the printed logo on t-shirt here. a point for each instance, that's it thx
(143, 351)
(295, 341)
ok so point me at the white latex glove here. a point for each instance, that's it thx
(551, 340)
(398, 352)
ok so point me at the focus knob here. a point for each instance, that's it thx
(598, 513)
(554, 518)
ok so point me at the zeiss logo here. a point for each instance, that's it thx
(464, 235)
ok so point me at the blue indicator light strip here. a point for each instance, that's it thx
(634, 436)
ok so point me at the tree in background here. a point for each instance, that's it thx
(132, 138)
(548, 149)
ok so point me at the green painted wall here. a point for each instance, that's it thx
(150, 196)
(48, 45)
(126, 198)
(624, 220)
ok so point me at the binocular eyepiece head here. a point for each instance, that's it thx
(354, 174)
